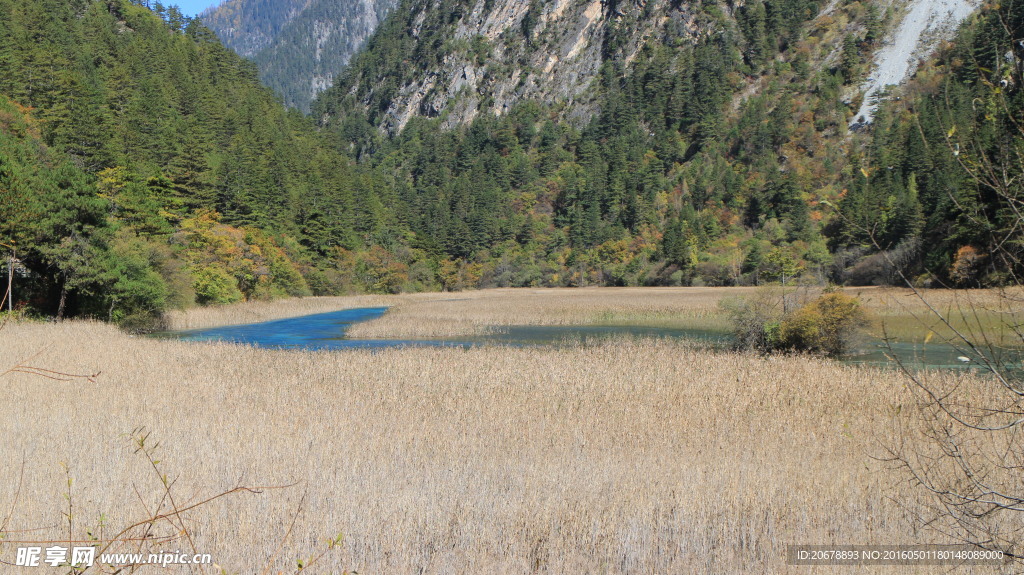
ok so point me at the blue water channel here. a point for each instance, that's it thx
(327, 331)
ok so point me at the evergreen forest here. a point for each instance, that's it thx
(143, 166)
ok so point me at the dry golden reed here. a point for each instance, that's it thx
(260, 311)
(985, 317)
(898, 312)
(633, 456)
(479, 312)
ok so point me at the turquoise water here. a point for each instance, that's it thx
(327, 331)
(323, 331)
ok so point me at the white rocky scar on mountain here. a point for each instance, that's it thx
(924, 25)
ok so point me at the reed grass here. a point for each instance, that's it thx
(986, 317)
(631, 456)
(258, 311)
(896, 313)
(481, 312)
(992, 317)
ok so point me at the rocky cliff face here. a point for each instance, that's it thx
(460, 58)
(495, 53)
(298, 45)
(249, 26)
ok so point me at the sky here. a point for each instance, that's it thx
(192, 7)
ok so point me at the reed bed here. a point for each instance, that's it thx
(260, 311)
(484, 311)
(989, 316)
(984, 316)
(632, 456)
(481, 312)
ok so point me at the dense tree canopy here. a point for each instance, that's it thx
(143, 166)
(144, 126)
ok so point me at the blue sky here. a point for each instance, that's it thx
(192, 7)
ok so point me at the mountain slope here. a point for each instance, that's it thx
(946, 150)
(299, 46)
(170, 176)
(619, 142)
(249, 27)
(467, 57)
(709, 155)
(652, 142)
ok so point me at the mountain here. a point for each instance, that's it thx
(471, 57)
(299, 46)
(668, 142)
(144, 167)
(628, 142)
(463, 58)
(249, 27)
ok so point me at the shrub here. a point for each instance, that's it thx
(755, 319)
(825, 325)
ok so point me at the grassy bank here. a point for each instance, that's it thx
(627, 457)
